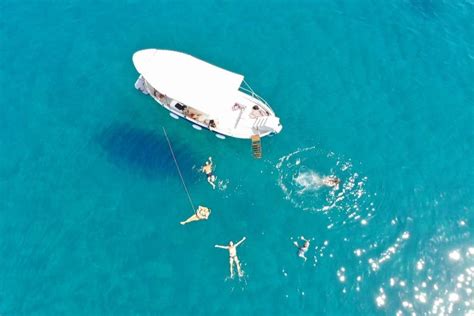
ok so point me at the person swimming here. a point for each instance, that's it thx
(202, 213)
(331, 181)
(207, 169)
(233, 257)
(303, 249)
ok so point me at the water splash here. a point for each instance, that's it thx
(308, 181)
(301, 178)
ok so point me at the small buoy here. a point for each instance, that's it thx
(176, 117)
(197, 127)
(220, 136)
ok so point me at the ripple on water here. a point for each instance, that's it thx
(300, 177)
(445, 289)
(439, 280)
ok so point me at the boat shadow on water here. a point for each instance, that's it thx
(143, 151)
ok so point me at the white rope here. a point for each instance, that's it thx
(179, 171)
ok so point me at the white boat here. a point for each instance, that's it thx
(207, 96)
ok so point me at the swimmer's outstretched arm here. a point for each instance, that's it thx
(192, 218)
(223, 247)
(241, 241)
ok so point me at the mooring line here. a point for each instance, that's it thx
(179, 171)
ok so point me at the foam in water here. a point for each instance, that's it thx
(309, 181)
(301, 178)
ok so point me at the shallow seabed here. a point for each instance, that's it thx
(378, 93)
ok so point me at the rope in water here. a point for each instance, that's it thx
(179, 171)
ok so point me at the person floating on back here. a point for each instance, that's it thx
(207, 169)
(303, 249)
(233, 257)
(331, 181)
(202, 213)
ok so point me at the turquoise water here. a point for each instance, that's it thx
(378, 93)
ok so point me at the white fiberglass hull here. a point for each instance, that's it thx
(207, 96)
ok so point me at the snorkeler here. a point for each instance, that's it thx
(233, 256)
(201, 213)
(331, 181)
(207, 169)
(303, 249)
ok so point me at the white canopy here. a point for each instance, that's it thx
(189, 80)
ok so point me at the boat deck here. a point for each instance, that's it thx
(239, 120)
(241, 117)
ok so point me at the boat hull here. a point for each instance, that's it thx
(205, 95)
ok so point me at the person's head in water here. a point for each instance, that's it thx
(331, 181)
(231, 243)
(255, 107)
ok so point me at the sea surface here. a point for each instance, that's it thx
(377, 93)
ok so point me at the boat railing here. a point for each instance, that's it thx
(249, 90)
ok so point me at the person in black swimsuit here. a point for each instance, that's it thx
(302, 250)
(207, 169)
(233, 257)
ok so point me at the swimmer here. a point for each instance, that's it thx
(331, 181)
(207, 169)
(303, 249)
(202, 213)
(233, 256)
